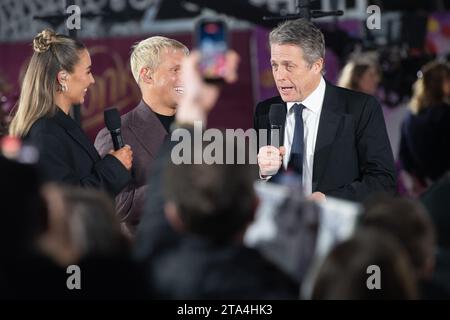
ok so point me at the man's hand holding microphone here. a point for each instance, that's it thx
(270, 159)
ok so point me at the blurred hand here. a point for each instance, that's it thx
(56, 241)
(270, 160)
(317, 196)
(200, 97)
(414, 186)
(124, 155)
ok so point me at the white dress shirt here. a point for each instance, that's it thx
(311, 116)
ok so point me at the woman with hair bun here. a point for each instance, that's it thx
(57, 77)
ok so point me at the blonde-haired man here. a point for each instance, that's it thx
(155, 64)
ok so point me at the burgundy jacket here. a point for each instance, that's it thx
(144, 132)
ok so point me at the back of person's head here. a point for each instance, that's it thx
(84, 231)
(52, 53)
(303, 34)
(147, 53)
(24, 214)
(95, 229)
(216, 201)
(408, 221)
(433, 86)
(370, 265)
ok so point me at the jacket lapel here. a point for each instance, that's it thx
(327, 131)
(77, 134)
(147, 128)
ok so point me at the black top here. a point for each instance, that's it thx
(166, 121)
(67, 155)
(425, 142)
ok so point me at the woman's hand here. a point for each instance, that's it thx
(124, 155)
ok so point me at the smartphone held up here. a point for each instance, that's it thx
(211, 38)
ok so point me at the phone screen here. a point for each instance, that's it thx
(213, 45)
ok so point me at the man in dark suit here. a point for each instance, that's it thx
(155, 63)
(335, 139)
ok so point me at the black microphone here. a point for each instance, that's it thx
(277, 119)
(112, 121)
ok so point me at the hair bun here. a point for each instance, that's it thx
(43, 40)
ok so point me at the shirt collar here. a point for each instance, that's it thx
(314, 101)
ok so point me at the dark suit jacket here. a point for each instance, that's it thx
(66, 155)
(143, 131)
(352, 157)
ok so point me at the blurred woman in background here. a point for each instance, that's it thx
(425, 134)
(361, 74)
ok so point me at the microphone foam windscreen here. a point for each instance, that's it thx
(112, 119)
(277, 114)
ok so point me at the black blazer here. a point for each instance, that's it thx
(353, 156)
(67, 155)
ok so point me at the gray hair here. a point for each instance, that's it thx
(301, 33)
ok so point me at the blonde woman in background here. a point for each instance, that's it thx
(425, 132)
(361, 74)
